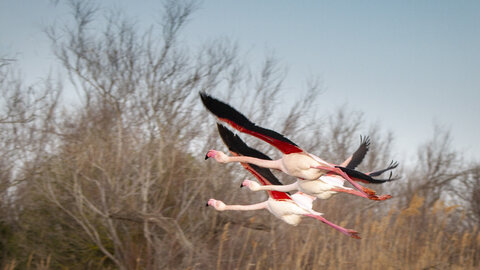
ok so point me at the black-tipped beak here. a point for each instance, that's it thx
(206, 205)
(241, 185)
(206, 156)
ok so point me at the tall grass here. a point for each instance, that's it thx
(409, 238)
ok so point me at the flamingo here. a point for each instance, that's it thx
(289, 208)
(330, 184)
(295, 161)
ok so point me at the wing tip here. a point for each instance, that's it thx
(205, 98)
(365, 140)
(226, 113)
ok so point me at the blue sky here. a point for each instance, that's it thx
(404, 64)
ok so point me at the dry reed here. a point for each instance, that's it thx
(409, 238)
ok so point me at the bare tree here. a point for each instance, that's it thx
(122, 174)
(439, 166)
(25, 114)
(473, 185)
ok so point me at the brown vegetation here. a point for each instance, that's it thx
(118, 180)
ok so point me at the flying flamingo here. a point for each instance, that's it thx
(289, 208)
(330, 184)
(295, 161)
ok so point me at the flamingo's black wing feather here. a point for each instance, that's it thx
(264, 175)
(393, 165)
(229, 115)
(360, 153)
(237, 146)
(362, 177)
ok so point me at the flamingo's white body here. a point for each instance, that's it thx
(300, 165)
(323, 188)
(290, 211)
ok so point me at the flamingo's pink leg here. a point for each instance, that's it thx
(350, 191)
(365, 191)
(351, 233)
(358, 193)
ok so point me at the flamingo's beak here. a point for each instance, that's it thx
(210, 154)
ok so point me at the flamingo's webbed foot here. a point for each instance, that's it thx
(368, 191)
(380, 198)
(352, 233)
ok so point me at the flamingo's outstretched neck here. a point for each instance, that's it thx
(221, 206)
